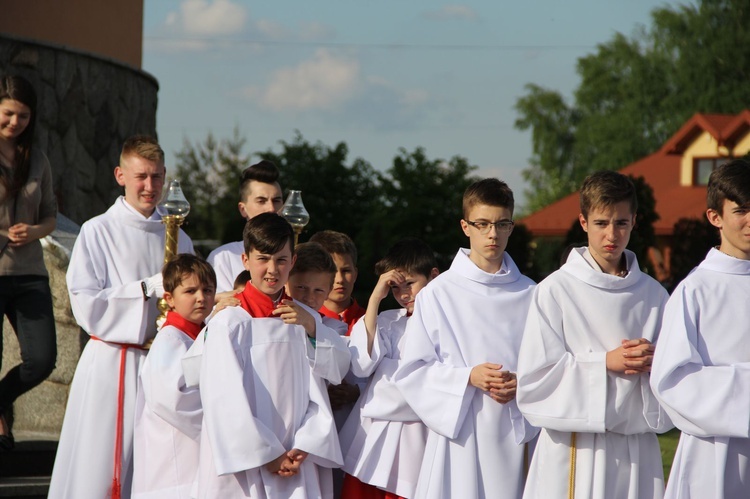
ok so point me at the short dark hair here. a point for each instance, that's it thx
(264, 172)
(729, 181)
(183, 265)
(411, 255)
(606, 188)
(267, 233)
(241, 279)
(336, 242)
(312, 257)
(490, 192)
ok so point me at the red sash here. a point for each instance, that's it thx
(116, 484)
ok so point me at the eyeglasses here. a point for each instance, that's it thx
(502, 226)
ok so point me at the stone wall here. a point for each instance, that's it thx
(88, 106)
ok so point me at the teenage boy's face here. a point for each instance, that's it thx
(261, 198)
(269, 272)
(487, 249)
(343, 283)
(406, 292)
(192, 299)
(310, 288)
(734, 224)
(143, 181)
(608, 230)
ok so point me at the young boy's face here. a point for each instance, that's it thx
(311, 288)
(487, 249)
(608, 229)
(343, 283)
(261, 198)
(269, 273)
(734, 225)
(406, 292)
(192, 299)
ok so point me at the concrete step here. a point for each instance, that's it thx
(25, 472)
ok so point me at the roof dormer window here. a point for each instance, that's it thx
(702, 168)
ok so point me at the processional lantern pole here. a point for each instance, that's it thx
(177, 208)
(295, 213)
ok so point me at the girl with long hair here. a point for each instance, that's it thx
(27, 213)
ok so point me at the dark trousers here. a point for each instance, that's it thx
(27, 302)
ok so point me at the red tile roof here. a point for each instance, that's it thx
(661, 171)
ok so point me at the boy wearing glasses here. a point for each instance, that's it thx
(459, 360)
(583, 369)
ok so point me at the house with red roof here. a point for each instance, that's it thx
(678, 173)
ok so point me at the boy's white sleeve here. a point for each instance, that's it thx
(330, 358)
(164, 388)
(317, 434)
(702, 400)
(239, 441)
(439, 393)
(363, 363)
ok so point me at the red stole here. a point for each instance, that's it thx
(259, 304)
(188, 327)
(349, 315)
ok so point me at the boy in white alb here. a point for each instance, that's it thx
(383, 440)
(268, 430)
(259, 193)
(701, 371)
(168, 414)
(114, 280)
(585, 357)
(310, 282)
(459, 359)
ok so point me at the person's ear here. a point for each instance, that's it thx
(169, 298)
(120, 176)
(583, 222)
(241, 208)
(433, 273)
(465, 227)
(714, 218)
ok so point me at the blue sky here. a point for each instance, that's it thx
(376, 75)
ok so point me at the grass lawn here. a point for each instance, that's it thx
(668, 443)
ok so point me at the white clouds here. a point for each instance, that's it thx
(323, 82)
(333, 86)
(204, 18)
(450, 12)
(198, 25)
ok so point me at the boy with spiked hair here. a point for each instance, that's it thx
(458, 363)
(259, 193)
(268, 429)
(383, 440)
(585, 357)
(168, 413)
(701, 371)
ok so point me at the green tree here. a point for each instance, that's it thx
(209, 174)
(696, 237)
(338, 196)
(422, 197)
(635, 92)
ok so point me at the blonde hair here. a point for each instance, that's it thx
(143, 146)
